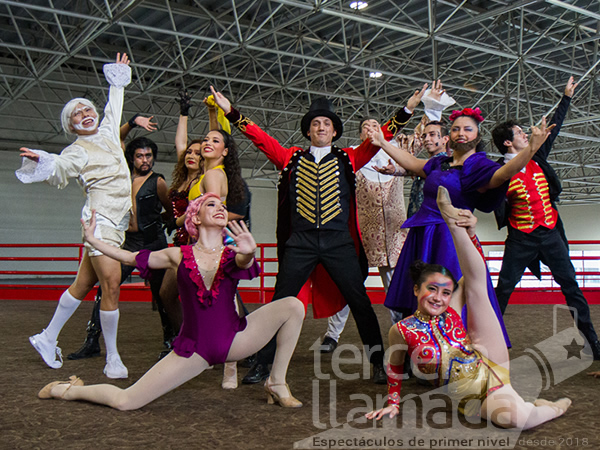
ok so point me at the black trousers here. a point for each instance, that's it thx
(335, 251)
(521, 249)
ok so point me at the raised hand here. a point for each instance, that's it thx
(210, 102)
(539, 135)
(221, 101)
(570, 87)
(436, 90)
(122, 59)
(146, 123)
(26, 153)
(412, 102)
(243, 239)
(376, 136)
(185, 102)
(466, 219)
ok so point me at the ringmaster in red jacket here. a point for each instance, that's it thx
(317, 234)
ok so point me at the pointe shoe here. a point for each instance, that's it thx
(445, 204)
(46, 390)
(286, 402)
(230, 380)
(560, 405)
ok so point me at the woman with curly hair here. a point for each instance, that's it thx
(219, 173)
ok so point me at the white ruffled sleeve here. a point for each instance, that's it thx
(117, 75)
(34, 172)
(54, 169)
(434, 108)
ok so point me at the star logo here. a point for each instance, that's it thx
(573, 349)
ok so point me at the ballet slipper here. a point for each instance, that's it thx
(286, 402)
(230, 380)
(560, 406)
(46, 391)
(444, 203)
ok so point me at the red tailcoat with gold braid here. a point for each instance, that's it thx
(528, 195)
(326, 298)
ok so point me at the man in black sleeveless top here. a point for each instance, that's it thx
(149, 198)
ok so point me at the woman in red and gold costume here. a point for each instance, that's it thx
(473, 365)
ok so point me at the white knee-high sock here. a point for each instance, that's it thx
(65, 309)
(109, 320)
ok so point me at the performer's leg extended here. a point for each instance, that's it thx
(283, 319)
(484, 328)
(46, 341)
(169, 373)
(299, 261)
(505, 407)
(109, 275)
(555, 255)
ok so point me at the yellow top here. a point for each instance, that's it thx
(195, 191)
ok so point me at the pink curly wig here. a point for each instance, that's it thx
(193, 209)
(475, 114)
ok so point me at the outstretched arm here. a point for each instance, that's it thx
(181, 135)
(512, 167)
(395, 373)
(277, 154)
(163, 259)
(405, 159)
(558, 118)
(136, 121)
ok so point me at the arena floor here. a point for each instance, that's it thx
(200, 415)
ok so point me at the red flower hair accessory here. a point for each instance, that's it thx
(474, 113)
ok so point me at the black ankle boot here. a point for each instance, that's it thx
(259, 372)
(91, 345)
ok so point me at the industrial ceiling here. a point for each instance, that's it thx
(273, 57)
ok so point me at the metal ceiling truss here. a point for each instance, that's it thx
(273, 57)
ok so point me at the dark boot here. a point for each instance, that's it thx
(168, 348)
(91, 345)
(248, 362)
(259, 372)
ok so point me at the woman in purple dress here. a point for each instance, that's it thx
(212, 332)
(473, 181)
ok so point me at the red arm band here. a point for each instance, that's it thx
(394, 378)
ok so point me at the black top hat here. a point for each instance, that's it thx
(321, 107)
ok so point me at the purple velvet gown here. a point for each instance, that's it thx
(429, 238)
(210, 321)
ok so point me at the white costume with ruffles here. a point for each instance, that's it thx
(96, 160)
